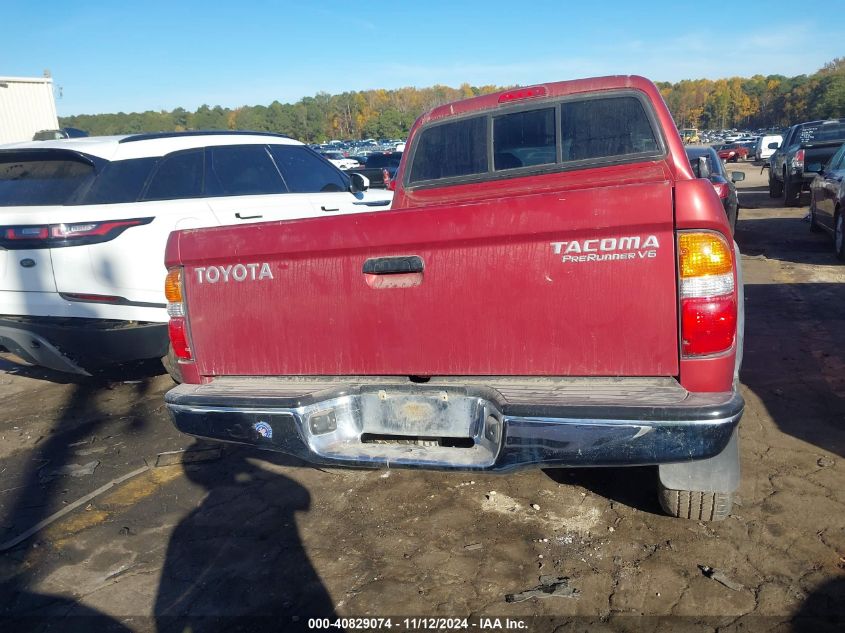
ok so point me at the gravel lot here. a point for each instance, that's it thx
(253, 534)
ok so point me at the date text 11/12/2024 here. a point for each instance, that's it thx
(418, 624)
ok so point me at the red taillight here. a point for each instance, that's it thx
(707, 293)
(178, 332)
(708, 325)
(722, 189)
(59, 235)
(88, 229)
(524, 93)
(389, 183)
(27, 233)
(177, 328)
(798, 161)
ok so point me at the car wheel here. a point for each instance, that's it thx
(839, 236)
(775, 187)
(791, 193)
(695, 504)
(814, 225)
(171, 365)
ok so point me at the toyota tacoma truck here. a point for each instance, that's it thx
(805, 150)
(553, 287)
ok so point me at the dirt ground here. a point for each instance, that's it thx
(253, 541)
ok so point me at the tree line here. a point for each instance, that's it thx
(759, 101)
(755, 102)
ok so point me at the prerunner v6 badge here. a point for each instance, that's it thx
(607, 249)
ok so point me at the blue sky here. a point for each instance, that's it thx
(153, 55)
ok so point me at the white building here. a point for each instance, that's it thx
(27, 106)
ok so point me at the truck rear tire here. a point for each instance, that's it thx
(775, 188)
(171, 365)
(696, 505)
(791, 193)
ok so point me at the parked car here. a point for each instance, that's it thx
(732, 152)
(689, 135)
(806, 147)
(827, 201)
(766, 146)
(380, 168)
(749, 144)
(340, 161)
(707, 164)
(65, 132)
(505, 315)
(84, 222)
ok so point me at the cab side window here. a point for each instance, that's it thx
(449, 150)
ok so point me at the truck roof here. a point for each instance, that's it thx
(539, 93)
(547, 90)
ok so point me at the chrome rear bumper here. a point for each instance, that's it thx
(491, 424)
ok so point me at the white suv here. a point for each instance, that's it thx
(84, 223)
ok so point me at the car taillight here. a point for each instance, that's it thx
(798, 161)
(177, 327)
(389, 183)
(707, 294)
(60, 235)
(722, 189)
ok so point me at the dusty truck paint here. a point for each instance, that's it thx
(502, 291)
(553, 233)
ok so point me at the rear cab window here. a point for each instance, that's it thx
(552, 135)
(825, 131)
(523, 139)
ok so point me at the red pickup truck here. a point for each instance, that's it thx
(553, 287)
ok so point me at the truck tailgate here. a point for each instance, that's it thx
(819, 153)
(573, 283)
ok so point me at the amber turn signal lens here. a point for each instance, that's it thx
(173, 285)
(701, 254)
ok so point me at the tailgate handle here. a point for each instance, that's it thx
(393, 265)
(241, 216)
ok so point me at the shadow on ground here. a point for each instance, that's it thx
(237, 561)
(784, 239)
(824, 610)
(137, 370)
(795, 358)
(635, 487)
(36, 500)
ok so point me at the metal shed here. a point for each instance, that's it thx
(27, 106)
